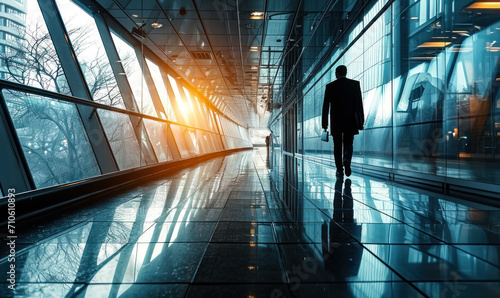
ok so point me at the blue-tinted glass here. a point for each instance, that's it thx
(53, 139)
(122, 138)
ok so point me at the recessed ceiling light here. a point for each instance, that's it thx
(254, 49)
(156, 25)
(135, 16)
(254, 67)
(485, 5)
(257, 15)
(434, 44)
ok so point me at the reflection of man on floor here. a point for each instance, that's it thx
(344, 103)
(341, 254)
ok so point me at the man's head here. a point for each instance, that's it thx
(341, 71)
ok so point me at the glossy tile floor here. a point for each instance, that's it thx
(220, 230)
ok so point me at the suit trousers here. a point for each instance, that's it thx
(342, 149)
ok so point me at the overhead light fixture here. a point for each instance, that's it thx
(254, 67)
(135, 16)
(414, 18)
(434, 44)
(485, 5)
(257, 15)
(254, 49)
(156, 25)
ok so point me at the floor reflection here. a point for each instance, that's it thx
(230, 226)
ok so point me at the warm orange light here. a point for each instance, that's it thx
(434, 44)
(257, 15)
(254, 49)
(485, 5)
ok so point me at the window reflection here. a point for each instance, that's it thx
(430, 87)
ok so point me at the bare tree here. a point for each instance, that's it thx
(53, 139)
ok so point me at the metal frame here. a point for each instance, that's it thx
(15, 172)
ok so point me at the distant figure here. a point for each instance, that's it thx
(343, 97)
(268, 143)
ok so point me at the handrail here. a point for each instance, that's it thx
(76, 100)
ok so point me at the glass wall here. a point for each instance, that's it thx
(62, 141)
(52, 138)
(430, 77)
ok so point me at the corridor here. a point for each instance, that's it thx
(223, 223)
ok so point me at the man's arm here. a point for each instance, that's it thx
(326, 110)
(359, 104)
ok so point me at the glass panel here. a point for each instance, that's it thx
(53, 139)
(134, 74)
(430, 90)
(212, 141)
(156, 131)
(193, 115)
(193, 146)
(180, 102)
(162, 90)
(121, 137)
(27, 55)
(179, 140)
(91, 54)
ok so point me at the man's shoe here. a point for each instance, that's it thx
(347, 168)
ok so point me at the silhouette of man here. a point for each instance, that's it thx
(342, 101)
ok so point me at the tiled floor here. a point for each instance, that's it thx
(220, 230)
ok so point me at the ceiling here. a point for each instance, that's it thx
(229, 50)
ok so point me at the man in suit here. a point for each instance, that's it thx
(342, 101)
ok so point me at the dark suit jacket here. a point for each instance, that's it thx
(342, 98)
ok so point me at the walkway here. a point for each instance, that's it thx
(218, 230)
